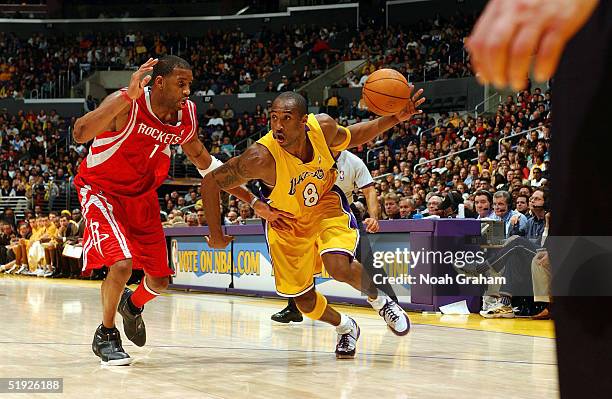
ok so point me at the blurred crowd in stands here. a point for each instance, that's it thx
(230, 62)
(223, 62)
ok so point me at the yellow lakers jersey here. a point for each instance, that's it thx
(299, 185)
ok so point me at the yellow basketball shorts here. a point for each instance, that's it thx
(296, 253)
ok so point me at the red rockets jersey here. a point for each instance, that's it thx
(135, 159)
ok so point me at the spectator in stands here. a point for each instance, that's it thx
(537, 180)
(6, 235)
(270, 87)
(201, 218)
(227, 147)
(49, 243)
(516, 258)
(245, 212)
(407, 208)
(191, 219)
(284, 85)
(522, 204)
(6, 190)
(231, 218)
(9, 217)
(227, 113)
(333, 104)
(502, 205)
(77, 217)
(18, 247)
(449, 207)
(190, 196)
(67, 234)
(52, 193)
(483, 203)
(474, 174)
(214, 118)
(391, 204)
(433, 206)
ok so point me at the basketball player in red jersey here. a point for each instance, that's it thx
(132, 131)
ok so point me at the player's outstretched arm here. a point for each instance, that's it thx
(201, 158)
(255, 163)
(361, 133)
(117, 104)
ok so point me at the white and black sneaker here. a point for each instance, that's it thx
(22, 269)
(488, 303)
(395, 317)
(347, 342)
(107, 346)
(133, 324)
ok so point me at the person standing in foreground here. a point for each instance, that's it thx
(579, 34)
(296, 163)
(132, 131)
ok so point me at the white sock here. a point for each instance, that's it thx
(345, 324)
(377, 303)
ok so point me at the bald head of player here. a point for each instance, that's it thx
(171, 81)
(288, 118)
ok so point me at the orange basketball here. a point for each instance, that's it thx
(386, 92)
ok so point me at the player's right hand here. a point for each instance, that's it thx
(137, 82)
(277, 218)
(219, 242)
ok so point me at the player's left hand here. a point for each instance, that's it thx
(412, 108)
(275, 217)
(371, 225)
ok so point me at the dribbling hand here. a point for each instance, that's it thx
(137, 82)
(412, 108)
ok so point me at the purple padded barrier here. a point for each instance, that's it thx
(240, 230)
(185, 231)
(406, 226)
(386, 226)
(457, 228)
(421, 232)
(421, 293)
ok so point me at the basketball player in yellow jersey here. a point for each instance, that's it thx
(296, 163)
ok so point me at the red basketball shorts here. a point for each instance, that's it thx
(120, 228)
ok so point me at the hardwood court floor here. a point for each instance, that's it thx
(219, 346)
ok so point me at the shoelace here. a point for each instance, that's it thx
(344, 341)
(387, 312)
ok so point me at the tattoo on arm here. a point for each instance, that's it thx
(231, 174)
(254, 163)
